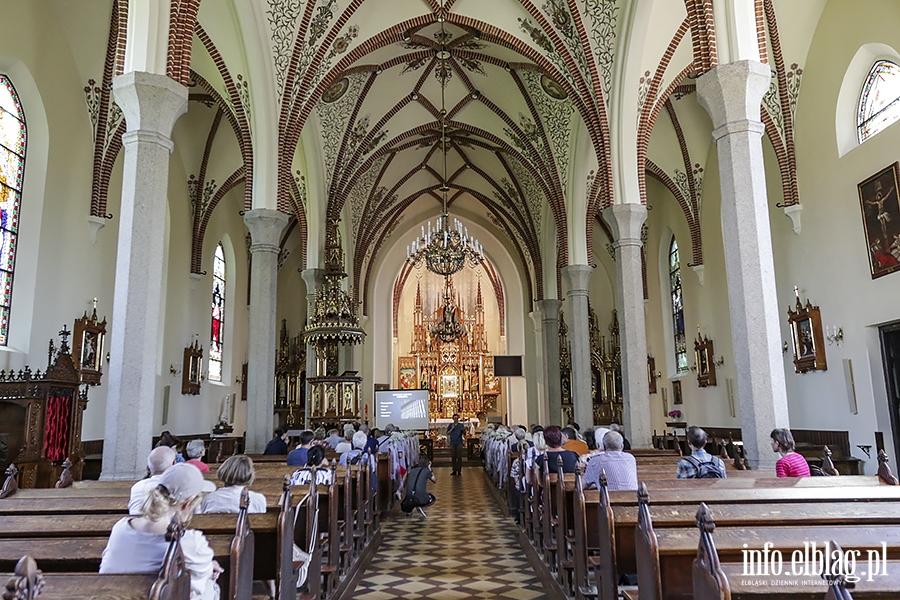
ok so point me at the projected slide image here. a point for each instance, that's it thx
(407, 409)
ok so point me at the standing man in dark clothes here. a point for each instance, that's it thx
(278, 444)
(456, 431)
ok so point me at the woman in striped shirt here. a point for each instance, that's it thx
(791, 464)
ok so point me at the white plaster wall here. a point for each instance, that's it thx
(65, 270)
(828, 260)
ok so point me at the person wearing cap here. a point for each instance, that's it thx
(138, 544)
(159, 459)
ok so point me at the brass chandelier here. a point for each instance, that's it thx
(444, 249)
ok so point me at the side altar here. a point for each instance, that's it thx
(459, 372)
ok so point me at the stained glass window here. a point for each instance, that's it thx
(879, 102)
(12, 168)
(218, 316)
(681, 364)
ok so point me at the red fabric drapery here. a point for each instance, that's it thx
(56, 432)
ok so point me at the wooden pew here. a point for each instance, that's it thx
(714, 580)
(664, 554)
(762, 491)
(172, 583)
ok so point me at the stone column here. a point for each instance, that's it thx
(550, 353)
(313, 279)
(577, 278)
(535, 363)
(266, 226)
(151, 104)
(732, 93)
(626, 221)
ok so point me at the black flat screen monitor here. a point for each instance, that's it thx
(508, 366)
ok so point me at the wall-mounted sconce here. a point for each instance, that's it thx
(107, 358)
(834, 335)
(784, 348)
(174, 371)
(719, 361)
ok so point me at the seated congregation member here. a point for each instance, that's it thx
(539, 446)
(791, 464)
(236, 473)
(620, 467)
(277, 446)
(347, 444)
(354, 456)
(700, 464)
(553, 436)
(573, 443)
(195, 450)
(314, 458)
(371, 441)
(334, 438)
(626, 445)
(417, 479)
(159, 459)
(297, 457)
(596, 447)
(167, 439)
(385, 437)
(138, 544)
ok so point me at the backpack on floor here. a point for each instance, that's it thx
(707, 469)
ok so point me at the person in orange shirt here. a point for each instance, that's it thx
(577, 446)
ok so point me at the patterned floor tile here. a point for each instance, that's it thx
(465, 549)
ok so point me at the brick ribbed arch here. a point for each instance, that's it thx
(182, 19)
(703, 34)
(586, 98)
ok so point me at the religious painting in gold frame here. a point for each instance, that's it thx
(449, 382)
(881, 220)
(88, 340)
(706, 364)
(677, 398)
(407, 373)
(651, 374)
(809, 341)
(490, 384)
(192, 366)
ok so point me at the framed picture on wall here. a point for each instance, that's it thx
(706, 362)
(806, 333)
(878, 200)
(676, 392)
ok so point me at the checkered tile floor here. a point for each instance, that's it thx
(464, 549)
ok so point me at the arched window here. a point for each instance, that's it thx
(879, 101)
(218, 315)
(12, 168)
(681, 363)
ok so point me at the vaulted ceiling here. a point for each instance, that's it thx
(554, 109)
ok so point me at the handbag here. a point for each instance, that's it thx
(410, 502)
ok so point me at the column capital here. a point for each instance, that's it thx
(732, 93)
(577, 277)
(549, 308)
(265, 225)
(313, 278)
(626, 221)
(150, 102)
